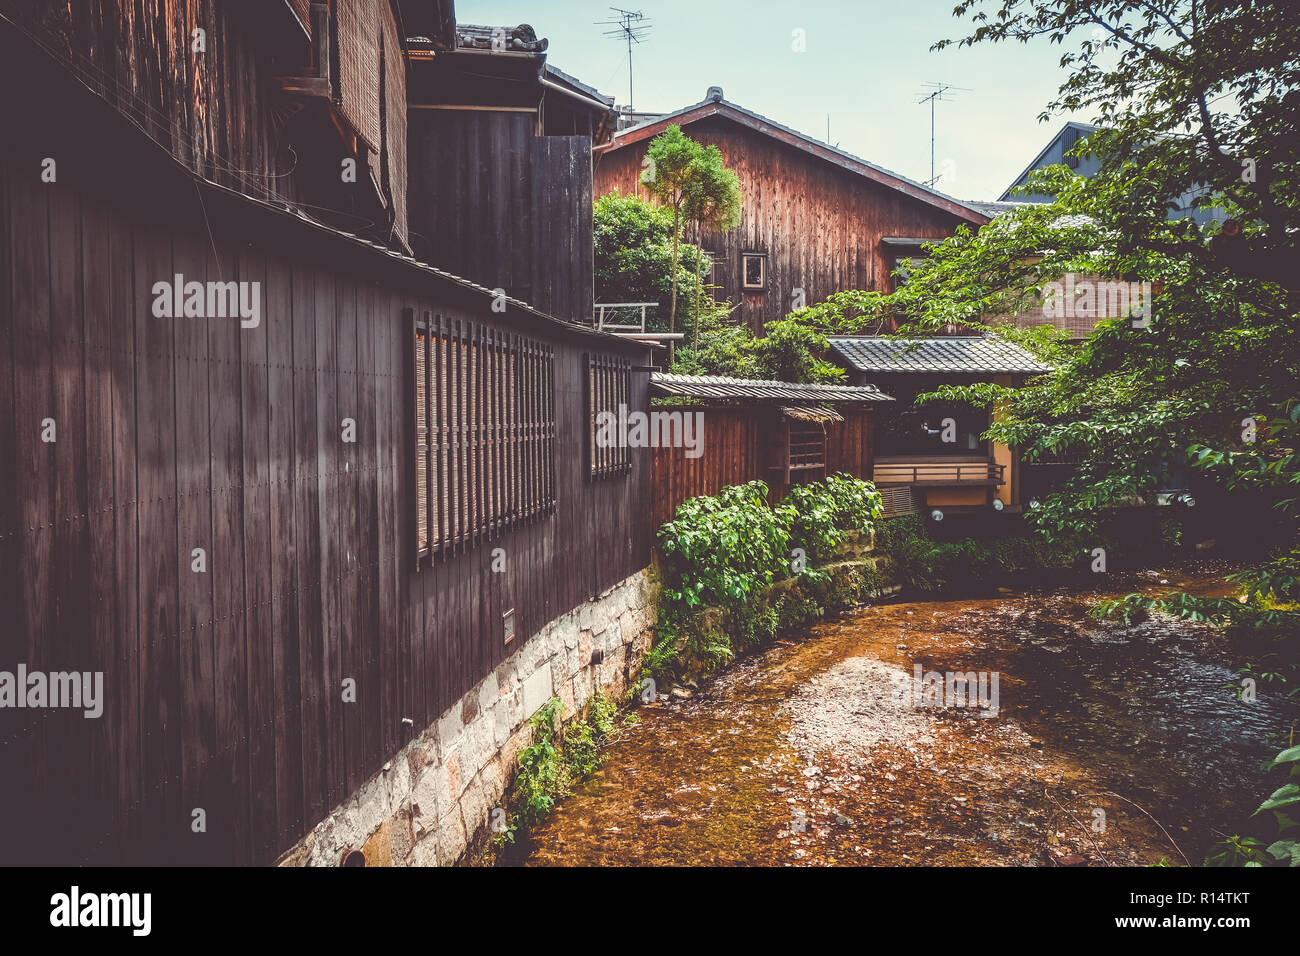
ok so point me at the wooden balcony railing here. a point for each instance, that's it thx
(938, 471)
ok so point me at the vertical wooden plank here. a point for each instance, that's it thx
(160, 704)
(331, 457)
(285, 556)
(67, 645)
(354, 657)
(228, 816)
(194, 584)
(259, 660)
(33, 483)
(124, 704)
(309, 592)
(380, 647)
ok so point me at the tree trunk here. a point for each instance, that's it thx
(672, 309)
(699, 282)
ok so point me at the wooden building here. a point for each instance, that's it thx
(501, 167)
(815, 220)
(933, 456)
(250, 449)
(781, 433)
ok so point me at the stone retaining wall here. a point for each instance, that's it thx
(436, 794)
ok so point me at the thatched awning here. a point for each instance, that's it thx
(807, 414)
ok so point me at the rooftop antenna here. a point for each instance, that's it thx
(937, 91)
(629, 25)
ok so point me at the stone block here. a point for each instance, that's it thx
(537, 691)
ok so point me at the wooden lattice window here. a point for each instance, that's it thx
(608, 387)
(798, 446)
(483, 442)
(807, 446)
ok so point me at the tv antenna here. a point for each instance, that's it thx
(631, 26)
(937, 91)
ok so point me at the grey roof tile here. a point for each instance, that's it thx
(958, 353)
(722, 386)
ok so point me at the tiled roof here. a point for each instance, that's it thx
(555, 73)
(958, 353)
(520, 39)
(992, 209)
(715, 105)
(721, 386)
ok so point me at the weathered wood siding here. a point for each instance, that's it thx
(211, 109)
(735, 452)
(223, 687)
(212, 99)
(494, 202)
(819, 225)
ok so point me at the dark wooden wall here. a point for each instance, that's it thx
(224, 688)
(220, 111)
(819, 225)
(735, 452)
(213, 109)
(492, 201)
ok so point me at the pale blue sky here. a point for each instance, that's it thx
(865, 65)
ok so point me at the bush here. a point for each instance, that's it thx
(549, 767)
(722, 551)
(789, 351)
(826, 512)
(921, 563)
(634, 259)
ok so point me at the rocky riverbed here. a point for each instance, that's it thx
(1104, 744)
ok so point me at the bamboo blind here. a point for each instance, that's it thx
(484, 445)
(357, 31)
(301, 10)
(395, 125)
(608, 382)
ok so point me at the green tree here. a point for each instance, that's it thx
(713, 202)
(1206, 377)
(788, 351)
(633, 254)
(669, 176)
(1186, 93)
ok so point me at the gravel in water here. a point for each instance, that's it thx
(861, 702)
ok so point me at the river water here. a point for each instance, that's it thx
(1105, 745)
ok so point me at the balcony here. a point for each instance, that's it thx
(938, 471)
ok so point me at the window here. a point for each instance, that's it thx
(798, 442)
(753, 271)
(608, 383)
(484, 432)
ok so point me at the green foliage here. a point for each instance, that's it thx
(755, 627)
(719, 550)
(826, 512)
(690, 180)
(712, 203)
(793, 612)
(1263, 620)
(723, 551)
(789, 352)
(1282, 803)
(583, 740)
(550, 766)
(921, 563)
(543, 776)
(663, 652)
(633, 242)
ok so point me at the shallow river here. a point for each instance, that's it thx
(1105, 745)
